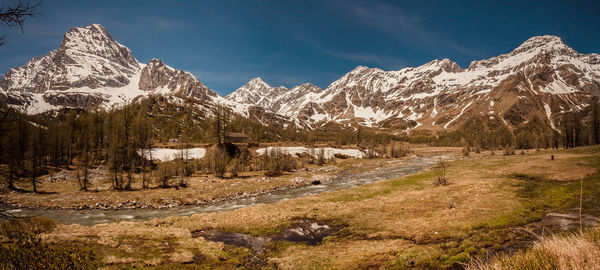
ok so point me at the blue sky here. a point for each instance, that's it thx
(226, 43)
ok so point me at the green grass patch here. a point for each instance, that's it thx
(539, 196)
(416, 181)
(271, 230)
(591, 161)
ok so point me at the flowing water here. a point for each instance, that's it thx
(343, 180)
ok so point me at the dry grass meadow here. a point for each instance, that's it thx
(484, 215)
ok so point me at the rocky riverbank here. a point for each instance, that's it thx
(151, 198)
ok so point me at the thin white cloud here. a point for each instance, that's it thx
(390, 20)
(361, 58)
(402, 25)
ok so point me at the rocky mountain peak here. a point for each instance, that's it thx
(161, 78)
(257, 86)
(87, 57)
(538, 49)
(444, 64)
(156, 64)
(155, 61)
(362, 70)
(89, 69)
(77, 36)
(258, 81)
(544, 45)
(541, 41)
(95, 40)
(306, 88)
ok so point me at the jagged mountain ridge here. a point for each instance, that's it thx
(277, 99)
(542, 77)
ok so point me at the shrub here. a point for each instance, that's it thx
(321, 157)
(30, 252)
(277, 160)
(19, 227)
(23, 248)
(398, 150)
(164, 172)
(183, 182)
(371, 153)
(440, 171)
(235, 167)
(220, 159)
(187, 169)
(466, 151)
(509, 150)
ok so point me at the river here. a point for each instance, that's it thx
(341, 181)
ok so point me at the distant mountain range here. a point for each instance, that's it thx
(543, 77)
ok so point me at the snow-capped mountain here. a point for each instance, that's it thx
(91, 69)
(157, 77)
(277, 99)
(257, 92)
(541, 77)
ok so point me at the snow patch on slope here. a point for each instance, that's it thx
(456, 117)
(167, 154)
(327, 151)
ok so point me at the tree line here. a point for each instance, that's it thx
(119, 139)
(571, 129)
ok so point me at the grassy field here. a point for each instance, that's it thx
(491, 207)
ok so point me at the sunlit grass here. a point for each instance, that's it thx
(399, 223)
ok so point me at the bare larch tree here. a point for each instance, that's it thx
(15, 15)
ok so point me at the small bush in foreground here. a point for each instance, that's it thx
(15, 228)
(29, 252)
(23, 249)
(440, 172)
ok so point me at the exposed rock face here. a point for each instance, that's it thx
(74, 100)
(91, 69)
(266, 117)
(158, 76)
(87, 57)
